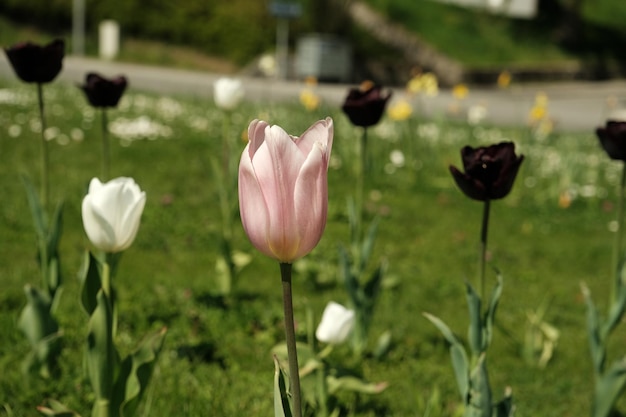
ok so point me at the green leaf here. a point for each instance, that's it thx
(609, 387)
(354, 384)
(100, 354)
(281, 400)
(491, 313)
(135, 373)
(42, 331)
(368, 244)
(39, 217)
(350, 281)
(460, 363)
(616, 311)
(598, 353)
(475, 330)
(479, 399)
(56, 409)
(89, 276)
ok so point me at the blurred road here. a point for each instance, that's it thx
(573, 106)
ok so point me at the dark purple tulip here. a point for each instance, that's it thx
(365, 105)
(489, 171)
(613, 139)
(103, 92)
(35, 63)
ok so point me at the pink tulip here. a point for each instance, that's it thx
(283, 188)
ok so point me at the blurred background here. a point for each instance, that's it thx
(387, 41)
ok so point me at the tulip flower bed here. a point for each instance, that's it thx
(552, 232)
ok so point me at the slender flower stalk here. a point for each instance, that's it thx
(290, 335)
(483, 246)
(104, 93)
(45, 154)
(106, 148)
(619, 237)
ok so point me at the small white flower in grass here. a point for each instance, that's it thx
(397, 158)
(336, 324)
(14, 131)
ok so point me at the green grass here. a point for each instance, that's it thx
(217, 356)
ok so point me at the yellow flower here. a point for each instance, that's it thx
(537, 113)
(400, 110)
(460, 91)
(425, 83)
(504, 79)
(309, 99)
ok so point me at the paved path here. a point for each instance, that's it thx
(573, 106)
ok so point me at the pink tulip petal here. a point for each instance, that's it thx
(256, 136)
(276, 165)
(311, 200)
(252, 206)
(321, 131)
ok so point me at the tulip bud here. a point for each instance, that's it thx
(112, 213)
(283, 188)
(336, 324)
(228, 92)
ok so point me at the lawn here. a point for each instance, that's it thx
(549, 235)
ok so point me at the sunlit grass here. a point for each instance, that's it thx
(216, 359)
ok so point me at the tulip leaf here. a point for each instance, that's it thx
(354, 384)
(56, 409)
(39, 217)
(458, 355)
(609, 388)
(598, 353)
(42, 331)
(135, 373)
(281, 399)
(54, 234)
(100, 355)
(617, 309)
(475, 330)
(368, 244)
(91, 284)
(479, 398)
(491, 313)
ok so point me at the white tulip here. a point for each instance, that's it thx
(336, 324)
(228, 92)
(112, 212)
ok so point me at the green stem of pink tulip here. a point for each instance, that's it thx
(106, 151)
(290, 335)
(617, 247)
(483, 246)
(44, 150)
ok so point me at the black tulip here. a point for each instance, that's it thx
(613, 139)
(104, 92)
(365, 106)
(489, 171)
(35, 63)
